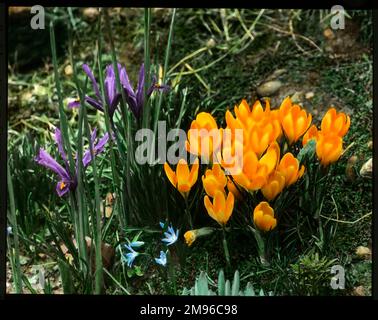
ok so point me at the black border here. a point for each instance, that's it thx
(293, 4)
(375, 163)
(3, 146)
(137, 301)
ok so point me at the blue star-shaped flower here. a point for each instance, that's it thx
(171, 236)
(163, 259)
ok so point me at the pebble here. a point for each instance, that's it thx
(359, 291)
(297, 97)
(90, 13)
(367, 169)
(269, 88)
(349, 170)
(328, 33)
(309, 95)
(210, 43)
(363, 252)
(68, 71)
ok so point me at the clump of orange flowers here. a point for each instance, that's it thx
(329, 139)
(267, 163)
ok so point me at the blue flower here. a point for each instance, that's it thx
(162, 224)
(130, 256)
(163, 259)
(171, 236)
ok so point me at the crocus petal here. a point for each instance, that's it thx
(124, 79)
(114, 104)
(62, 188)
(193, 175)
(94, 103)
(98, 148)
(73, 104)
(170, 174)
(140, 87)
(89, 73)
(229, 207)
(45, 159)
(59, 142)
(110, 85)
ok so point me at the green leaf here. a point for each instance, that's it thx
(203, 287)
(307, 152)
(249, 290)
(236, 284)
(130, 272)
(228, 288)
(65, 274)
(138, 271)
(137, 236)
(221, 283)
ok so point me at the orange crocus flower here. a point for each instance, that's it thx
(312, 133)
(204, 137)
(214, 180)
(274, 185)
(335, 123)
(263, 217)
(294, 120)
(255, 172)
(183, 179)
(329, 148)
(221, 208)
(289, 167)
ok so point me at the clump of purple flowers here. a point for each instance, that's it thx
(135, 99)
(68, 182)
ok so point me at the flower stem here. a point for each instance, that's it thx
(260, 246)
(188, 213)
(171, 273)
(225, 247)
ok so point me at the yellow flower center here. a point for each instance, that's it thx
(62, 185)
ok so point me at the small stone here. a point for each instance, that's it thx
(363, 252)
(328, 33)
(309, 95)
(359, 291)
(297, 97)
(68, 71)
(39, 90)
(210, 43)
(370, 144)
(367, 169)
(90, 13)
(269, 88)
(27, 96)
(349, 170)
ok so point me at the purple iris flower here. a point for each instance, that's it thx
(135, 99)
(112, 96)
(66, 181)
